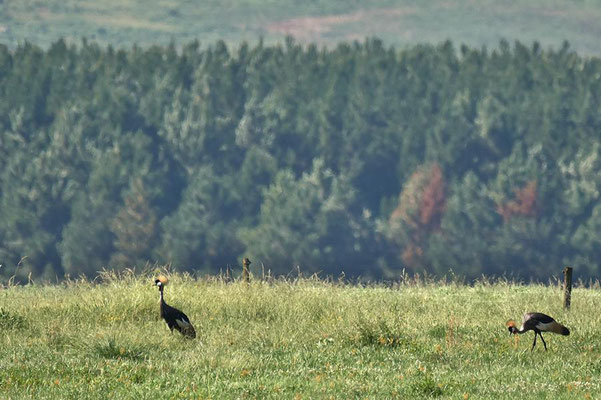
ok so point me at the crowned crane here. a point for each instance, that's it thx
(174, 317)
(538, 323)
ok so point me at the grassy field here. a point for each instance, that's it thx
(327, 22)
(293, 340)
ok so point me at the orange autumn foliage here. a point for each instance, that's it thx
(525, 203)
(421, 206)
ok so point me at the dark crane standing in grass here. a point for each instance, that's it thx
(174, 317)
(537, 322)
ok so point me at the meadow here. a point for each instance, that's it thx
(293, 339)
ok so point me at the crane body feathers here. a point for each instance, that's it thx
(553, 327)
(544, 323)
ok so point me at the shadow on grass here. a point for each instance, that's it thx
(11, 321)
(426, 387)
(380, 333)
(110, 349)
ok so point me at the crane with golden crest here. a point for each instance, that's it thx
(537, 322)
(174, 318)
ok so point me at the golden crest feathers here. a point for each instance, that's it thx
(163, 279)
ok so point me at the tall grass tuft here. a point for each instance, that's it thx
(109, 348)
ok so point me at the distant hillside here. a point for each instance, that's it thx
(397, 22)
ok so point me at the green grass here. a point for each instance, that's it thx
(285, 340)
(327, 22)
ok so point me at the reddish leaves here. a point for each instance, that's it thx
(525, 203)
(421, 206)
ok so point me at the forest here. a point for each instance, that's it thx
(360, 159)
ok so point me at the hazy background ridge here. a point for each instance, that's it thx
(326, 22)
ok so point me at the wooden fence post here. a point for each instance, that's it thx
(246, 270)
(567, 287)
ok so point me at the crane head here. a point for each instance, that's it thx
(511, 327)
(161, 281)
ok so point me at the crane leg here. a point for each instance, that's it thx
(541, 338)
(533, 343)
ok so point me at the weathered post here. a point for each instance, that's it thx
(567, 287)
(246, 270)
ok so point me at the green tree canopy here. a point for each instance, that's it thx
(356, 158)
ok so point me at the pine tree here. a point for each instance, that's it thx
(135, 229)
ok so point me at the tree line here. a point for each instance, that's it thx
(360, 159)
